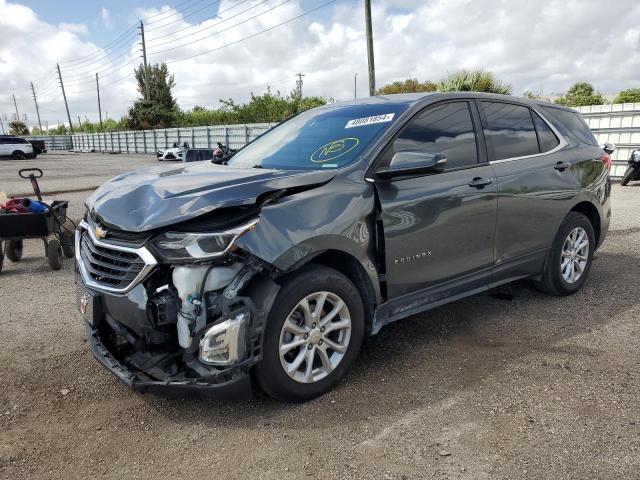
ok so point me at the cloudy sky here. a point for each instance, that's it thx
(230, 48)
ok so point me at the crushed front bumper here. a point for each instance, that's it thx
(239, 386)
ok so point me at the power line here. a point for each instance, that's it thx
(106, 47)
(326, 4)
(171, 13)
(173, 32)
(170, 8)
(183, 17)
(224, 29)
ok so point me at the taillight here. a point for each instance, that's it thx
(606, 159)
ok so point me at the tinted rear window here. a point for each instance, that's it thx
(509, 130)
(573, 123)
(546, 138)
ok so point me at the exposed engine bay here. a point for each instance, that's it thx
(196, 324)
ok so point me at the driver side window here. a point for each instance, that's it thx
(443, 128)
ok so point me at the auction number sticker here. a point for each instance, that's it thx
(335, 149)
(361, 122)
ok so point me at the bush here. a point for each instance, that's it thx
(473, 81)
(580, 95)
(631, 95)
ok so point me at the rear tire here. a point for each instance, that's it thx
(18, 155)
(13, 250)
(54, 254)
(321, 289)
(1, 256)
(627, 176)
(567, 266)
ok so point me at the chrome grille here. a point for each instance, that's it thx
(110, 267)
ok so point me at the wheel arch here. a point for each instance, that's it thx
(590, 211)
(350, 267)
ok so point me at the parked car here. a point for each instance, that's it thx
(174, 153)
(39, 146)
(16, 148)
(330, 226)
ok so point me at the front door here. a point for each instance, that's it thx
(439, 228)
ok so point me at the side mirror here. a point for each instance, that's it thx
(413, 163)
(609, 148)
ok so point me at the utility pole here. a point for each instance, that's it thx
(35, 100)
(16, 105)
(2, 125)
(99, 107)
(79, 123)
(144, 62)
(299, 84)
(355, 86)
(372, 68)
(64, 95)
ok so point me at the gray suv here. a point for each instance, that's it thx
(268, 271)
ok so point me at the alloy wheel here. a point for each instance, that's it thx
(315, 337)
(575, 255)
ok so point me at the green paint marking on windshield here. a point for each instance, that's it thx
(335, 149)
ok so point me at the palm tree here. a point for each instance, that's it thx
(473, 81)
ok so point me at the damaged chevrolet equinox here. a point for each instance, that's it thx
(267, 272)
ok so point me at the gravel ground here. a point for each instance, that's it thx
(508, 384)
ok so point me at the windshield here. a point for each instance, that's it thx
(320, 138)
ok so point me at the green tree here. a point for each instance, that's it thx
(631, 95)
(410, 85)
(580, 95)
(18, 128)
(531, 95)
(157, 108)
(473, 81)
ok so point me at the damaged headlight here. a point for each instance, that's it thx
(179, 246)
(224, 344)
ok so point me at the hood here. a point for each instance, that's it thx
(155, 197)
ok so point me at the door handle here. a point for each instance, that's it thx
(561, 166)
(479, 182)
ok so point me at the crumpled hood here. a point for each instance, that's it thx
(155, 197)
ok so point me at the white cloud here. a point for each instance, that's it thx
(79, 28)
(542, 45)
(105, 16)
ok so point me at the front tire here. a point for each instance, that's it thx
(313, 335)
(569, 260)
(628, 175)
(18, 155)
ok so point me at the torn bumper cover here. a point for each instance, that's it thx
(232, 383)
(144, 360)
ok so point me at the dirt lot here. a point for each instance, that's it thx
(509, 384)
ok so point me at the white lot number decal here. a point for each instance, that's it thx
(360, 122)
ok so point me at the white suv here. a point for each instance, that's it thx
(16, 148)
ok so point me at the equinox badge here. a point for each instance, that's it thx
(412, 258)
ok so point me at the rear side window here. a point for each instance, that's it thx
(573, 123)
(546, 138)
(444, 128)
(509, 130)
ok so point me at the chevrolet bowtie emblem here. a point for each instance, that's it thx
(100, 232)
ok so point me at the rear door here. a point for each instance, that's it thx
(536, 183)
(439, 227)
(4, 146)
